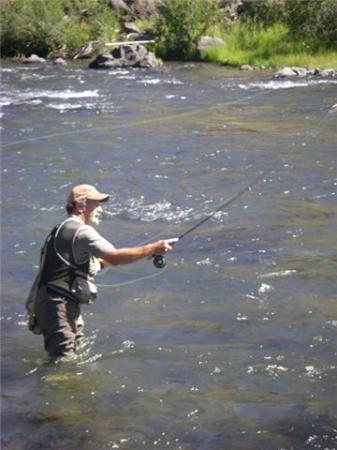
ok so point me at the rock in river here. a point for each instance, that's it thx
(126, 55)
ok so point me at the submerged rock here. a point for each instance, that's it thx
(127, 55)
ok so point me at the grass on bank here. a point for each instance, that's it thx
(269, 47)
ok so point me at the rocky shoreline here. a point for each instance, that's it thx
(136, 55)
(299, 72)
(123, 55)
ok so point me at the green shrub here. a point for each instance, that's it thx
(256, 38)
(263, 12)
(26, 26)
(313, 21)
(251, 44)
(326, 23)
(40, 26)
(272, 47)
(180, 24)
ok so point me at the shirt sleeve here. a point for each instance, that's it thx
(88, 242)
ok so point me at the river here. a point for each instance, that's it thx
(233, 344)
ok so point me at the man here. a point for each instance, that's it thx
(73, 253)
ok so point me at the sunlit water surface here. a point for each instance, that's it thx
(233, 346)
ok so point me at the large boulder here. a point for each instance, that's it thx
(205, 42)
(328, 73)
(285, 72)
(300, 71)
(126, 55)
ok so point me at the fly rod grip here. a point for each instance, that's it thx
(159, 261)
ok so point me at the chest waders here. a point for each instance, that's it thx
(59, 271)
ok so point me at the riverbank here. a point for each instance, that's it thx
(136, 56)
(259, 35)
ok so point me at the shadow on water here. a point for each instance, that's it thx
(233, 345)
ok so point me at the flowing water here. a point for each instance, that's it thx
(233, 345)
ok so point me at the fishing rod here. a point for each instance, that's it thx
(159, 261)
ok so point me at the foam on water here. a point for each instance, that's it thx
(30, 96)
(66, 94)
(156, 81)
(285, 84)
(6, 70)
(280, 273)
(64, 107)
(137, 209)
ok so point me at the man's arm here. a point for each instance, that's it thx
(117, 256)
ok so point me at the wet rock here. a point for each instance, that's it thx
(328, 73)
(205, 42)
(300, 71)
(34, 59)
(314, 72)
(286, 72)
(104, 61)
(60, 61)
(246, 67)
(134, 55)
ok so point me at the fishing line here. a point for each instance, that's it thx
(134, 280)
(146, 121)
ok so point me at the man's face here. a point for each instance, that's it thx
(93, 212)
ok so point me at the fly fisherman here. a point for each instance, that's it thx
(70, 258)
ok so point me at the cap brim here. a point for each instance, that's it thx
(99, 197)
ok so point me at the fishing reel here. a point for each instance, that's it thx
(159, 261)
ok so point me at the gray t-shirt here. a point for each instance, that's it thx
(88, 242)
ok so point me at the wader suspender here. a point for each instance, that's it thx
(68, 263)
